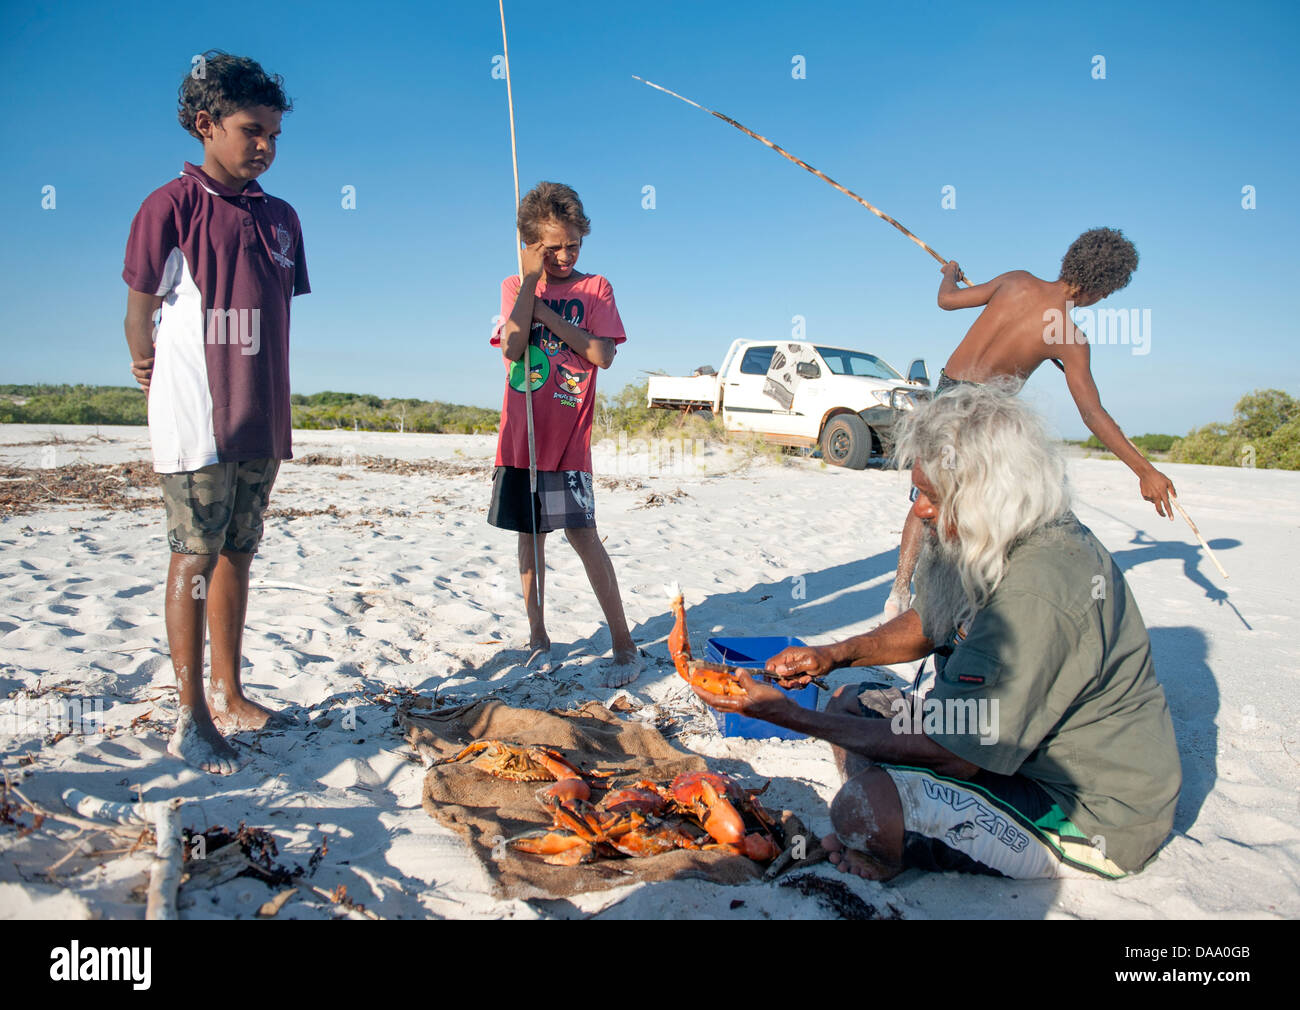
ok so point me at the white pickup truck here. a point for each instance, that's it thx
(803, 394)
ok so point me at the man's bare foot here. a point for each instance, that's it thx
(895, 605)
(235, 714)
(199, 744)
(861, 864)
(624, 668)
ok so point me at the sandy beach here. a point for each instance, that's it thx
(377, 586)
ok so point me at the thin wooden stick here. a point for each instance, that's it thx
(804, 165)
(346, 903)
(514, 155)
(165, 874)
(1184, 514)
(95, 808)
(78, 822)
(527, 362)
(77, 842)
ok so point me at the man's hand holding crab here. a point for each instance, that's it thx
(760, 701)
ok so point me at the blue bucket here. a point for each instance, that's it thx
(753, 654)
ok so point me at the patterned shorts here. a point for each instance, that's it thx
(1001, 825)
(564, 500)
(947, 382)
(218, 507)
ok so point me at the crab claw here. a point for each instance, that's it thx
(679, 643)
(561, 848)
(705, 794)
(760, 848)
(565, 790)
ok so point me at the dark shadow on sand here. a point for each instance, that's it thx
(1180, 657)
(1145, 548)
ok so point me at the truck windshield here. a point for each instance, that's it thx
(842, 362)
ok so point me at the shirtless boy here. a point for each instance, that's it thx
(1026, 323)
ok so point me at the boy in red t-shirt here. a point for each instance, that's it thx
(568, 325)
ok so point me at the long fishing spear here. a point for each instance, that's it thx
(884, 217)
(526, 364)
(807, 167)
(821, 175)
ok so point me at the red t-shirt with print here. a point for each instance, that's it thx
(563, 382)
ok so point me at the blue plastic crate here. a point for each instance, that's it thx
(753, 654)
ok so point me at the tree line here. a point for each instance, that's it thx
(1264, 430)
(81, 404)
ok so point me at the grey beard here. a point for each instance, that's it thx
(939, 581)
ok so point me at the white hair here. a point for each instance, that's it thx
(997, 473)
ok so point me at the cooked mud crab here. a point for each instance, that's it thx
(525, 763)
(697, 810)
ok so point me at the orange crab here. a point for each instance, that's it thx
(712, 800)
(579, 832)
(697, 810)
(524, 763)
(712, 677)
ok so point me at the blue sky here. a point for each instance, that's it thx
(899, 101)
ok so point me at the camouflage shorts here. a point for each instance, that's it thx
(218, 507)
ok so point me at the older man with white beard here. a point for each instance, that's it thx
(1045, 747)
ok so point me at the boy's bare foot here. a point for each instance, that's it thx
(624, 668)
(848, 860)
(199, 744)
(539, 655)
(232, 715)
(895, 605)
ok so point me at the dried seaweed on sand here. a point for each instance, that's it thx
(836, 897)
(401, 467)
(129, 486)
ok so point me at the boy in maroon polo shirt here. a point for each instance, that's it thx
(222, 260)
(567, 324)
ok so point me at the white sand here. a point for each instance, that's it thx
(408, 587)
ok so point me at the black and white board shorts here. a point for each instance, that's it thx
(1003, 825)
(565, 500)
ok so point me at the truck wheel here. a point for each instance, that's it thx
(846, 441)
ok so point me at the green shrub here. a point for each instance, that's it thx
(1264, 431)
(1146, 443)
(1261, 413)
(1214, 444)
(65, 404)
(370, 413)
(1154, 443)
(1281, 450)
(626, 411)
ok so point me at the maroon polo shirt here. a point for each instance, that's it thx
(227, 265)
